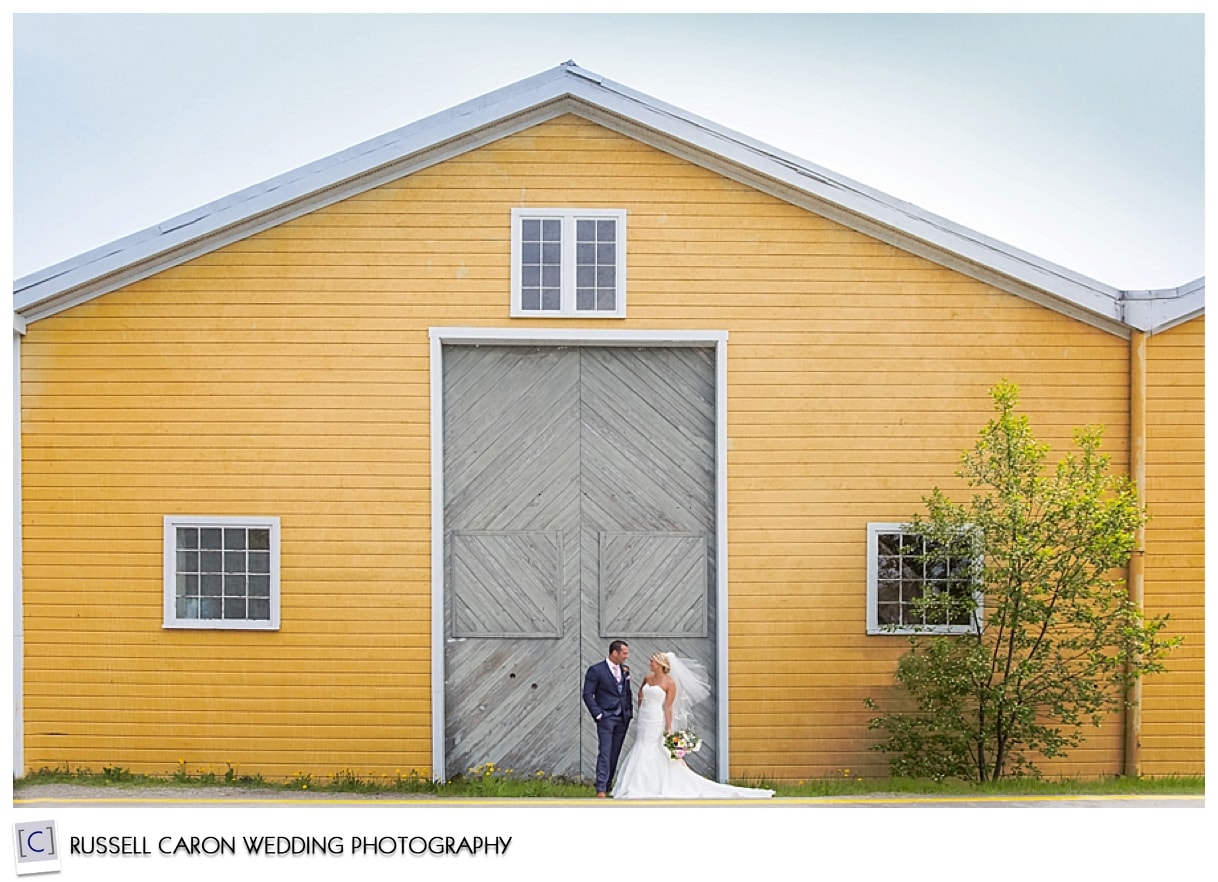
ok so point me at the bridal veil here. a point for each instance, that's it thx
(693, 686)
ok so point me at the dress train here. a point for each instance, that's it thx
(648, 772)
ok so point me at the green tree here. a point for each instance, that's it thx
(1053, 642)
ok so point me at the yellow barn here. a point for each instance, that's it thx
(361, 467)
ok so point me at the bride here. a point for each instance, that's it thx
(666, 697)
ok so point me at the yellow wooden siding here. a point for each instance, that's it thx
(1173, 703)
(287, 374)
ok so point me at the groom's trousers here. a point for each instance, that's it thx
(610, 733)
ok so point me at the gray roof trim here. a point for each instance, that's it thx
(145, 254)
(1104, 309)
(570, 89)
(281, 198)
(1163, 309)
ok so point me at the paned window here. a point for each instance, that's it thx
(221, 572)
(568, 262)
(914, 585)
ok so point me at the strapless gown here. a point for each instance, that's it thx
(648, 772)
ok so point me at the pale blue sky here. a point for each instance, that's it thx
(1077, 138)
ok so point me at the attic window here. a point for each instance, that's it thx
(568, 262)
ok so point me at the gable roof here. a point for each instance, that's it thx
(569, 89)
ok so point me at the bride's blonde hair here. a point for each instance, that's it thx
(662, 660)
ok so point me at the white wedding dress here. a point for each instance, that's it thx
(648, 772)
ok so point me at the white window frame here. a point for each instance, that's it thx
(873, 591)
(568, 217)
(171, 620)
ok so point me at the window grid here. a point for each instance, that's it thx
(595, 265)
(541, 264)
(905, 569)
(221, 573)
(568, 262)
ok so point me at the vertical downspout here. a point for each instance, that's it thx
(1137, 560)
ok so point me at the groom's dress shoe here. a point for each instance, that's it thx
(600, 794)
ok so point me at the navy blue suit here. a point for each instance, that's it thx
(612, 708)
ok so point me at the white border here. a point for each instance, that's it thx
(169, 574)
(443, 336)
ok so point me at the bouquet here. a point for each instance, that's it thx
(680, 743)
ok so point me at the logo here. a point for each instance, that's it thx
(36, 847)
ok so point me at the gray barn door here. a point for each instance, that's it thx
(579, 490)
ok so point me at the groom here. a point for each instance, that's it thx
(607, 695)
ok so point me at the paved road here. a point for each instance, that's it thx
(82, 795)
(881, 801)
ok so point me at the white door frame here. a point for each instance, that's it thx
(442, 336)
